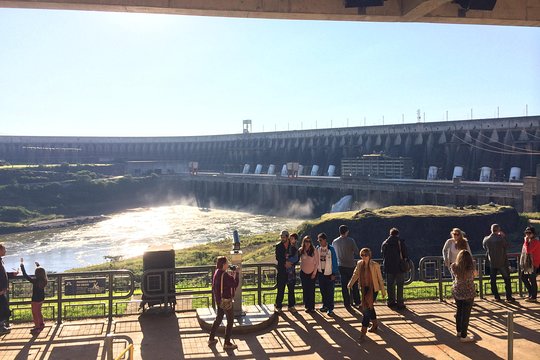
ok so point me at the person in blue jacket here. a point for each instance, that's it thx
(328, 269)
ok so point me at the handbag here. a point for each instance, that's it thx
(225, 304)
(526, 263)
(404, 265)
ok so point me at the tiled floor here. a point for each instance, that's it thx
(425, 331)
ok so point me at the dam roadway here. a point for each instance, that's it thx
(271, 190)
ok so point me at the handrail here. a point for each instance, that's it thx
(59, 282)
(440, 273)
(209, 270)
(130, 349)
(108, 348)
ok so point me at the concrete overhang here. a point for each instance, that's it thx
(506, 12)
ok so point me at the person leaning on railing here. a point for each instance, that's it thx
(530, 262)
(223, 286)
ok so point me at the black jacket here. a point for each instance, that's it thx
(391, 257)
(38, 292)
(280, 257)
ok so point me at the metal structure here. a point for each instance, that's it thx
(192, 287)
(431, 269)
(66, 291)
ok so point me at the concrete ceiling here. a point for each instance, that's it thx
(506, 12)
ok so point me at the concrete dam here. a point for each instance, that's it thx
(499, 144)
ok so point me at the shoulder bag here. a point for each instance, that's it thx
(225, 304)
(404, 265)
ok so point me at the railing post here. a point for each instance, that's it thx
(259, 285)
(440, 270)
(111, 287)
(480, 277)
(510, 324)
(59, 299)
(109, 346)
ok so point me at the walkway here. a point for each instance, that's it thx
(424, 331)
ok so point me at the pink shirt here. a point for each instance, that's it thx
(309, 264)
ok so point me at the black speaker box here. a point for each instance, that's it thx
(477, 4)
(363, 3)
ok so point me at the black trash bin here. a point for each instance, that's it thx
(158, 281)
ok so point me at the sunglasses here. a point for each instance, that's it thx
(528, 232)
(456, 234)
(364, 255)
(307, 241)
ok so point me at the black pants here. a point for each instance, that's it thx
(529, 280)
(369, 314)
(393, 281)
(5, 313)
(326, 285)
(217, 322)
(308, 290)
(346, 275)
(281, 283)
(463, 315)
(505, 273)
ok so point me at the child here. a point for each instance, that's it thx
(464, 292)
(38, 295)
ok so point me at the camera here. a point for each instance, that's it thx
(233, 267)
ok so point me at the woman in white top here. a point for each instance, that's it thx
(453, 246)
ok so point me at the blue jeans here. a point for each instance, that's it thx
(282, 281)
(326, 285)
(505, 273)
(369, 314)
(308, 290)
(463, 315)
(529, 280)
(391, 281)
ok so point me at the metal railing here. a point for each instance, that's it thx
(104, 290)
(195, 282)
(431, 269)
(92, 288)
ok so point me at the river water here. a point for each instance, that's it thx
(129, 233)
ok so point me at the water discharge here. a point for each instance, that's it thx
(129, 233)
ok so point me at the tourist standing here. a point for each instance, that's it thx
(367, 275)
(463, 291)
(454, 245)
(5, 312)
(292, 260)
(530, 262)
(309, 263)
(282, 249)
(39, 282)
(326, 273)
(346, 249)
(224, 286)
(496, 246)
(393, 250)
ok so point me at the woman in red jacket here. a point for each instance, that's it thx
(224, 285)
(530, 262)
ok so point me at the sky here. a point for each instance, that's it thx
(74, 73)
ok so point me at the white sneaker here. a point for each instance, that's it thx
(467, 339)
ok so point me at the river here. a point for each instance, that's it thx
(129, 233)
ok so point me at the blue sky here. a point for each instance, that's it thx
(120, 74)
